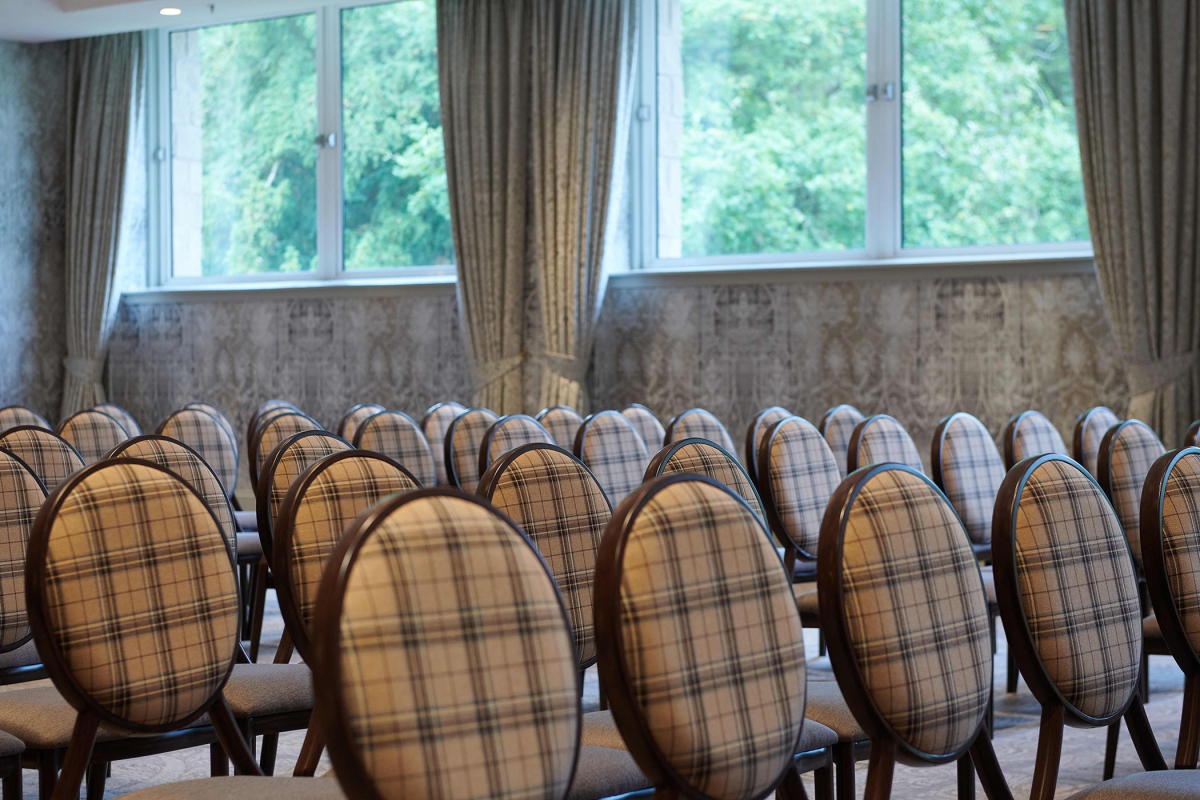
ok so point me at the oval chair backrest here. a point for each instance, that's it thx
(1127, 452)
(562, 422)
(1030, 434)
(219, 414)
(837, 424)
(1170, 527)
(653, 434)
(968, 468)
(461, 448)
(205, 434)
(756, 433)
(395, 435)
(697, 423)
(51, 457)
(412, 564)
(271, 432)
(609, 446)
(92, 433)
(509, 433)
(1090, 428)
(318, 508)
(434, 424)
(891, 544)
(704, 457)
(134, 610)
(21, 497)
(267, 410)
(15, 416)
(880, 440)
(798, 474)
(348, 426)
(122, 416)
(663, 688)
(1076, 632)
(283, 466)
(553, 497)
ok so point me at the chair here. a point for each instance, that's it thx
(696, 423)
(881, 440)
(1126, 454)
(435, 424)
(122, 416)
(647, 425)
(836, 425)
(609, 446)
(276, 427)
(1030, 434)
(51, 457)
(709, 693)
(755, 434)
(22, 494)
(907, 623)
(462, 444)
(1090, 428)
(264, 412)
(203, 432)
(706, 457)
(1192, 435)
(216, 412)
(14, 416)
(92, 433)
(507, 433)
(562, 422)
(968, 468)
(348, 426)
(395, 435)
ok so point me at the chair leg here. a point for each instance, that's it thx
(820, 643)
(97, 774)
(258, 605)
(1144, 678)
(843, 764)
(822, 782)
(48, 761)
(13, 781)
(1110, 749)
(1012, 674)
(966, 778)
(270, 748)
(218, 761)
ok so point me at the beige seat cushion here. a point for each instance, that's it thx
(1169, 785)
(248, 544)
(244, 787)
(808, 603)
(256, 690)
(604, 772)
(41, 718)
(246, 520)
(600, 730)
(815, 736)
(10, 745)
(826, 706)
(24, 656)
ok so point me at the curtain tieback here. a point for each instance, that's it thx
(568, 366)
(1150, 376)
(86, 370)
(494, 371)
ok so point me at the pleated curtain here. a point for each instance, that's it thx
(103, 81)
(1136, 70)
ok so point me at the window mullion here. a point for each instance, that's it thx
(883, 129)
(329, 158)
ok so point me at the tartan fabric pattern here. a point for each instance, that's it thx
(713, 647)
(205, 434)
(916, 612)
(93, 433)
(463, 440)
(653, 434)
(562, 508)
(1135, 448)
(13, 416)
(21, 497)
(836, 426)
(972, 471)
(297, 456)
(1094, 423)
(51, 457)
(275, 430)
(1034, 435)
(122, 416)
(705, 458)
(348, 427)
(696, 423)
(802, 474)
(333, 497)
(435, 424)
(562, 422)
(458, 669)
(884, 440)
(509, 433)
(1077, 588)
(1181, 547)
(209, 408)
(140, 595)
(761, 425)
(615, 453)
(395, 435)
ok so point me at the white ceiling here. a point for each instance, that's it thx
(47, 20)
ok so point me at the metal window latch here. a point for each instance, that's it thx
(326, 140)
(889, 92)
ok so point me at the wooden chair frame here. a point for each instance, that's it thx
(751, 444)
(1192, 435)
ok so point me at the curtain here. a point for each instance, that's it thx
(1136, 70)
(583, 57)
(103, 82)
(483, 76)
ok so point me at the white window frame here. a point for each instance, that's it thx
(884, 209)
(330, 232)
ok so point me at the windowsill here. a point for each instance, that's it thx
(248, 291)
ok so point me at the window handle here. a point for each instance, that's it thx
(889, 92)
(326, 140)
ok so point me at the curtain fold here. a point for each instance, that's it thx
(483, 76)
(103, 83)
(1136, 71)
(582, 98)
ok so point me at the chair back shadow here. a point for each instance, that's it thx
(653, 434)
(1090, 428)
(274, 428)
(1127, 452)
(881, 439)
(15, 416)
(347, 427)
(560, 506)
(462, 444)
(395, 564)
(508, 433)
(434, 424)
(92, 433)
(168, 676)
(907, 625)
(122, 416)
(698, 423)
(663, 686)
(968, 468)
(836, 425)
(797, 473)
(756, 431)
(1079, 644)
(204, 433)
(562, 422)
(51, 457)
(23, 494)
(1030, 434)
(609, 445)
(397, 436)
(705, 457)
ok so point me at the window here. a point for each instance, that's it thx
(306, 146)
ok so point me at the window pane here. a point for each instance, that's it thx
(397, 212)
(990, 151)
(243, 118)
(762, 129)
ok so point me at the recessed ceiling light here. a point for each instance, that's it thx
(170, 12)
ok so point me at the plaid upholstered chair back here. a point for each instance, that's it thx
(281, 469)
(348, 426)
(383, 689)
(1090, 428)
(553, 497)
(968, 468)
(276, 427)
(1127, 452)
(906, 614)
(435, 424)
(317, 509)
(92, 433)
(395, 435)
(204, 433)
(271, 408)
(1030, 434)
(463, 440)
(122, 416)
(644, 421)
(756, 432)
(15, 416)
(614, 451)
(220, 415)
(509, 433)
(696, 423)
(21, 496)
(51, 457)
(1192, 435)
(798, 474)
(704, 457)
(664, 679)
(562, 422)
(836, 425)
(881, 440)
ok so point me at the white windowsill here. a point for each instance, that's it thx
(232, 292)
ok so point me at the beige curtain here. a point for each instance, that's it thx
(1136, 68)
(483, 75)
(583, 56)
(103, 81)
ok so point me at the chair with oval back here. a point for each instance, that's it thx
(462, 444)
(92, 433)
(697, 423)
(435, 424)
(508, 433)
(216, 412)
(262, 413)
(51, 457)
(1090, 428)
(348, 426)
(22, 494)
(612, 449)
(879, 440)
(275, 427)
(203, 432)
(562, 422)
(756, 432)
(706, 457)
(1030, 434)
(836, 425)
(395, 435)
(14, 416)
(122, 416)
(647, 425)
